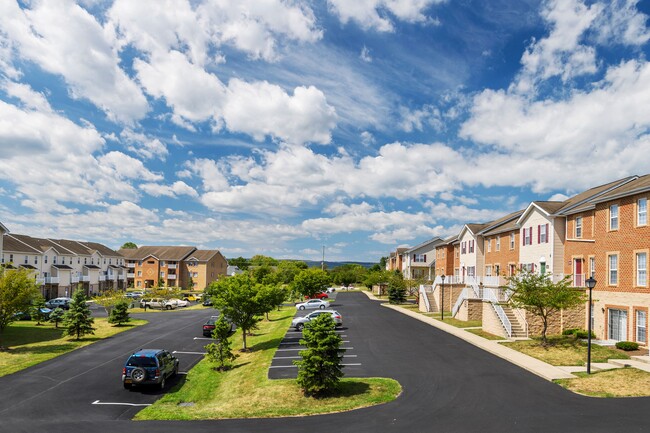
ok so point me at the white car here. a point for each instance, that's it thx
(312, 304)
(179, 302)
(331, 289)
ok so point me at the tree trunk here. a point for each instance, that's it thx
(244, 332)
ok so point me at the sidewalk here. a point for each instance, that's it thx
(535, 366)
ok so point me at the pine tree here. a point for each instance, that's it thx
(37, 310)
(220, 352)
(320, 369)
(119, 313)
(56, 316)
(396, 290)
(77, 320)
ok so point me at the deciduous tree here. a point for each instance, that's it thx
(17, 291)
(220, 352)
(539, 295)
(311, 281)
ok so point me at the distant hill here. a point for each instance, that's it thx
(332, 265)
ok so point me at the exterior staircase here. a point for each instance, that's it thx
(433, 303)
(518, 329)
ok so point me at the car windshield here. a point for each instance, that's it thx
(141, 361)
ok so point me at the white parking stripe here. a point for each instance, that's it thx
(119, 404)
(203, 338)
(190, 353)
(295, 366)
(287, 350)
(298, 357)
(293, 344)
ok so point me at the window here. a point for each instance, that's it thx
(527, 236)
(78, 260)
(54, 260)
(36, 260)
(151, 262)
(578, 227)
(489, 245)
(641, 326)
(162, 263)
(641, 269)
(44, 259)
(110, 261)
(488, 271)
(26, 260)
(642, 212)
(195, 274)
(63, 261)
(498, 243)
(85, 260)
(104, 261)
(542, 234)
(11, 258)
(613, 217)
(512, 241)
(419, 258)
(139, 284)
(463, 248)
(139, 273)
(471, 246)
(592, 267)
(92, 260)
(613, 269)
(162, 274)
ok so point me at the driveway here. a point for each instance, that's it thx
(448, 386)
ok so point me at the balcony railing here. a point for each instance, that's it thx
(85, 278)
(102, 278)
(121, 277)
(171, 276)
(130, 275)
(74, 279)
(130, 265)
(51, 280)
(171, 266)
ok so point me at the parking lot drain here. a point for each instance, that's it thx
(186, 404)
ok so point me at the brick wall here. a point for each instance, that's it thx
(505, 256)
(558, 322)
(491, 322)
(471, 309)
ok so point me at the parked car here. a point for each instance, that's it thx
(208, 327)
(299, 322)
(331, 289)
(26, 315)
(134, 295)
(62, 302)
(207, 302)
(313, 303)
(156, 303)
(179, 302)
(320, 295)
(192, 297)
(149, 367)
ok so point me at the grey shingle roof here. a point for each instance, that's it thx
(160, 252)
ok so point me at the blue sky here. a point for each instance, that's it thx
(278, 127)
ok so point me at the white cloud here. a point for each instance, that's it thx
(82, 54)
(416, 119)
(365, 55)
(622, 23)
(143, 145)
(374, 14)
(176, 189)
(367, 138)
(126, 167)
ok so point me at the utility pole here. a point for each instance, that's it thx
(322, 263)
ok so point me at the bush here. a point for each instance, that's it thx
(570, 331)
(578, 333)
(119, 313)
(220, 351)
(627, 345)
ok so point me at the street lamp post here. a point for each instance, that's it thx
(442, 299)
(591, 283)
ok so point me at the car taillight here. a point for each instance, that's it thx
(206, 327)
(124, 371)
(338, 317)
(157, 372)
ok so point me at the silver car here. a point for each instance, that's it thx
(299, 322)
(313, 303)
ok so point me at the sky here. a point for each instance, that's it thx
(282, 127)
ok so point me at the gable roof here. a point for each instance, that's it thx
(546, 207)
(41, 245)
(15, 245)
(585, 200)
(203, 255)
(3, 228)
(100, 248)
(637, 186)
(434, 241)
(160, 252)
(503, 224)
(473, 228)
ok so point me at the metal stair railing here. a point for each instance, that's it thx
(461, 298)
(423, 293)
(490, 296)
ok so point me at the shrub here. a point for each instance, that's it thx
(570, 331)
(578, 333)
(220, 351)
(119, 313)
(627, 345)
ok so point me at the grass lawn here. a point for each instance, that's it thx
(621, 382)
(246, 392)
(448, 319)
(565, 350)
(486, 335)
(30, 344)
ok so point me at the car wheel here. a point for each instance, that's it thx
(175, 369)
(299, 327)
(322, 307)
(127, 385)
(138, 375)
(302, 307)
(162, 383)
(168, 307)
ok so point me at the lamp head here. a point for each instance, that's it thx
(591, 283)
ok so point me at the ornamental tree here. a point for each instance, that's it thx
(220, 352)
(320, 369)
(78, 320)
(311, 281)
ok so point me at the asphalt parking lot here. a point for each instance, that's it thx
(282, 365)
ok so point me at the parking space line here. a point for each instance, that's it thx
(295, 366)
(203, 338)
(298, 357)
(294, 343)
(190, 353)
(287, 350)
(118, 404)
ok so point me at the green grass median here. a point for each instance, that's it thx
(246, 392)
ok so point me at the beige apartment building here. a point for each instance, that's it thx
(173, 266)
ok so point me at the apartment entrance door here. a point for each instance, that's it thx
(578, 275)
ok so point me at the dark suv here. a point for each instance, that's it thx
(149, 367)
(208, 327)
